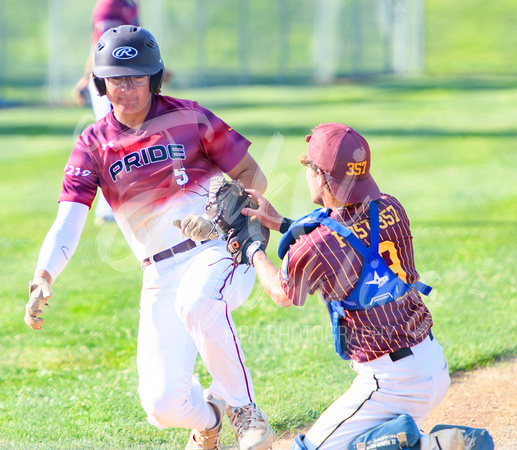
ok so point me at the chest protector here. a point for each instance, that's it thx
(377, 284)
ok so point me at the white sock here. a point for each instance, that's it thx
(212, 419)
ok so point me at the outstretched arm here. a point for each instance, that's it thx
(57, 249)
(269, 278)
(267, 272)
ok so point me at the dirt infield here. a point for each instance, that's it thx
(483, 398)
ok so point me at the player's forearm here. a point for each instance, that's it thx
(253, 179)
(267, 274)
(61, 240)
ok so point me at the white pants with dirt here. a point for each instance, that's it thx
(185, 310)
(383, 390)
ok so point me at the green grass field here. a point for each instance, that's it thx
(444, 147)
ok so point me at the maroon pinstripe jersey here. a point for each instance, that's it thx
(324, 261)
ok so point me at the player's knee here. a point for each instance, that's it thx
(189, 313)
(169, 411)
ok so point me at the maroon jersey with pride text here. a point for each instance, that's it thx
(324, 261)
(153, 175)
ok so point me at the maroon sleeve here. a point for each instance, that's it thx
(295, 271)
(80, 179)
(223, 145)
(320, 260)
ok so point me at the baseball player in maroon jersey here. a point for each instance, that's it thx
(357, 253)
(153, 156)
(106, 14)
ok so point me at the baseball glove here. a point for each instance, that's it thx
(225, 201)
(242, 244)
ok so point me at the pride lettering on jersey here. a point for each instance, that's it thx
(146, 156)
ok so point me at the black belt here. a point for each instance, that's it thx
(406, 351)
(184, 246)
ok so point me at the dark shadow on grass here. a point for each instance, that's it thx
(486, 361)
(464, 224)
(296, 101)
(35, 130)
(459, 83)
(259, 130)
(436, 132)
(378, 84)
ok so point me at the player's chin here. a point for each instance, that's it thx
(317, 200)
(129, 106)
(128, 102)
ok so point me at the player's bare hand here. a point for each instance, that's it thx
(39, 293)
(196, 227)
(266, 213)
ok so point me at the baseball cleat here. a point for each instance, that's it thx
(252, 430)
(447, 439)
(209, 439)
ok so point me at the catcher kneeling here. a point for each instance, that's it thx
(357, 252)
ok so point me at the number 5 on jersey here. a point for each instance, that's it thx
(181, 177)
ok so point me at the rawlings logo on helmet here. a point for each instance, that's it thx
(124, 52)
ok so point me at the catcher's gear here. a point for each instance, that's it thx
(39, 293)
(401, 432)
(196, 227)
(225, 202)
(126, 51)
(243, 243)
(474, 438)
(226, 199)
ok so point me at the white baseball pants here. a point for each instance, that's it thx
(185, 310)
(383, 390)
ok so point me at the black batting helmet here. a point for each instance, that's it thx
(126, 51)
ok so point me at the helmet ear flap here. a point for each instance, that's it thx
(100, 84)
(155, 82)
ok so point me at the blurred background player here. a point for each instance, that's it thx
(153, 157)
